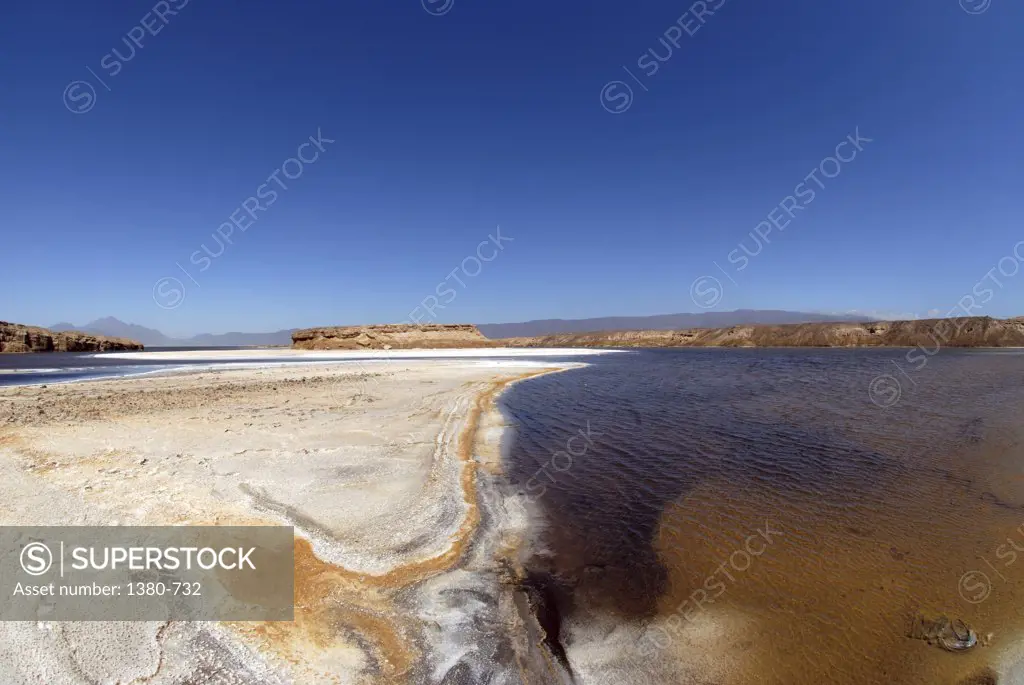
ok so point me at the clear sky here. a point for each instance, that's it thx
(453, 117)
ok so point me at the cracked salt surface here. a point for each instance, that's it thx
(399, 532)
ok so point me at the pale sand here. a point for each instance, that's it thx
(403, 542)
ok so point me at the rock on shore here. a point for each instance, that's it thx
(390, 336)
(971, 331)
(18, 338)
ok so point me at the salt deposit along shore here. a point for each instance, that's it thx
(406, 537)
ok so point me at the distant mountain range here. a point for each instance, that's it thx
(150, 337)
(660, 322)
(153, 338)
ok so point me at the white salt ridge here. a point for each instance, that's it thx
(369, 470)
(340, 355)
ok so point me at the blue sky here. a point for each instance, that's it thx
(453, 117)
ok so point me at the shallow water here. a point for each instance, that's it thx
(755, 515)
(875, 515)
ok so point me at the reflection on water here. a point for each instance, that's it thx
(880, 512)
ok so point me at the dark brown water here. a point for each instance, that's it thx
(876, 515)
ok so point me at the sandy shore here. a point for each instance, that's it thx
(386, 472)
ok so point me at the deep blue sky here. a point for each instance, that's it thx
(491, 114)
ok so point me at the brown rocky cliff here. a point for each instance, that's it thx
(18, 338)
(390, 336)
(974, 331)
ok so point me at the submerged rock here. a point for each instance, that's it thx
(951, 634)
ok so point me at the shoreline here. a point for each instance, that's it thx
(870, 521)
(82, 368)
(103, 453)
(968, 331)
(344, 355)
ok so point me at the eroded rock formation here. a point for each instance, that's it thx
(390, 336)
(972, 331)
(18, 338)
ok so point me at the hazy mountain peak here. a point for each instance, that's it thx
(659, 322)
(150, 337)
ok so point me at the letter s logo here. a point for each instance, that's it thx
(36, 559)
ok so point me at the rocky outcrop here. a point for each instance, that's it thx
(390, 336)
(973, 331)
(18, 338)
